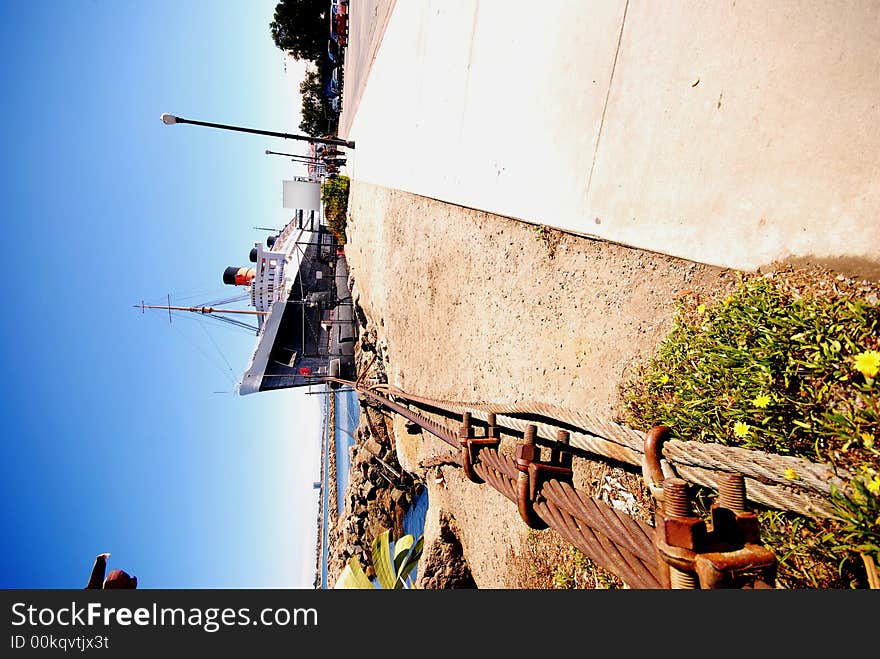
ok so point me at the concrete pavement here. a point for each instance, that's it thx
(735, 135)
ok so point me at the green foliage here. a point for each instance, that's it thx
(334, 197)
(860, 511)
(809, 551)
(548, 236)
(788, 374)
(781, 367)
(550, 562)
(393, 571)
(301, 28)
(313, 113)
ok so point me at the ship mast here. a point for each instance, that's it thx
(205, 310)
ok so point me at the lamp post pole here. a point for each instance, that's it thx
(295, 157)
(170, 119)
(292, 155)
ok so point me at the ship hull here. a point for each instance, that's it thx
(310, 335)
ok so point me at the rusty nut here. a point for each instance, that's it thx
(526, 454)
(686, 532)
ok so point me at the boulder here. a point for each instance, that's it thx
(443, 566)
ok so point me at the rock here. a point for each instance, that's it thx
(400, 497)
(443, 566)
(374, 447)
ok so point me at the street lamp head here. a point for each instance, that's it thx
(168, 119)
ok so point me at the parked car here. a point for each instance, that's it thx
(333, 54)
(332, 88)
(339, 23)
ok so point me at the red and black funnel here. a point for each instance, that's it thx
(238, 276)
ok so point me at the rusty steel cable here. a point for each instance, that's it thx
(624, 549)
(614, 542)
(768, 475)
(564, 501)
(585, 441)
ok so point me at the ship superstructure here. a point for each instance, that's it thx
(306, 331)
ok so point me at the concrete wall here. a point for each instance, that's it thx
(735, 133)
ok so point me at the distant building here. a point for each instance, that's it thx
(316, 170)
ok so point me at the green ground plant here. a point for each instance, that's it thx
(334, 198)
(771, 369)
(549, 562)
(549, 237)
(393, 562)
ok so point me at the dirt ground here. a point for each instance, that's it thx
(475, 307)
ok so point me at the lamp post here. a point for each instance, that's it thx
(309, 160)
(170, 119)
(298, 156)
(316, 161)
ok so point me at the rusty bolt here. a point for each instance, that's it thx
(732, 492)
(527, 452)
(675, 498)
(465, 431)
(559, 456)
(681, 528)
(525, 455)
(680, 580)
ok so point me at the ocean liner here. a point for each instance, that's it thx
(299, 293)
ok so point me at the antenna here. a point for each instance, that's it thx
(169, 308)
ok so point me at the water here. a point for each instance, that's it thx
(347, 417)
(348, 411)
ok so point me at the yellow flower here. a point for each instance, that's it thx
(873, 485)
(701, 308)
(867, 440)
(761, 401)
(868, 363)
(791, 474)
(740, 429)
(727, 301)
(664, 378)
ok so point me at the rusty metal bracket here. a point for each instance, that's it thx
(722, 554)
(470, 445)
(532, 472)
(655, 468)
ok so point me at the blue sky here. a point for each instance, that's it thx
(114, 438)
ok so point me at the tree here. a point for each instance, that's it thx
(314, 118)
(301, 28)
